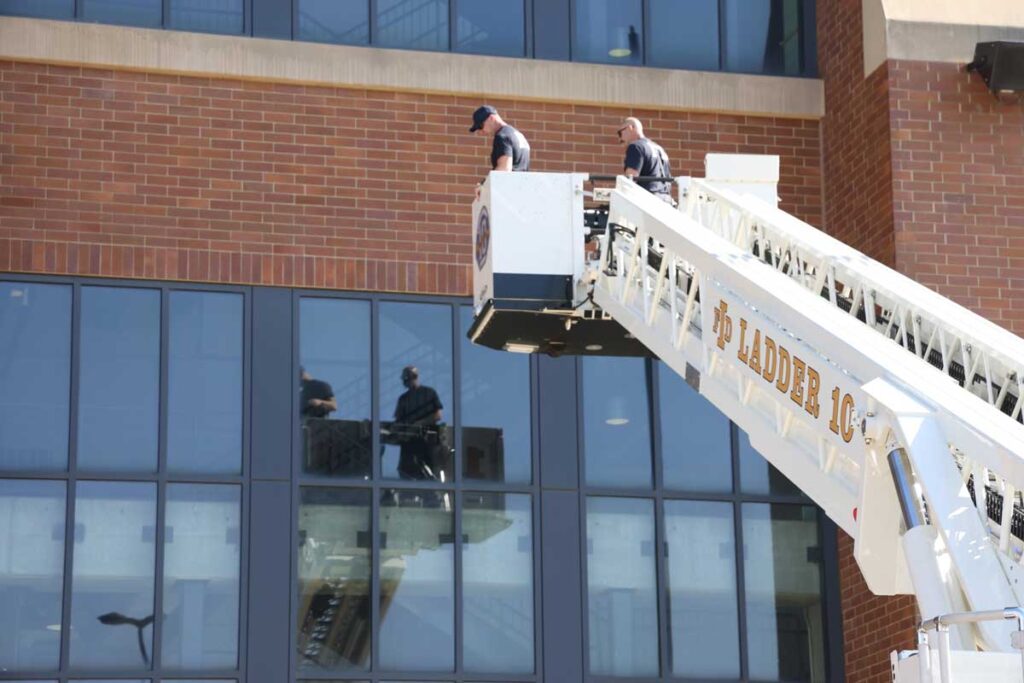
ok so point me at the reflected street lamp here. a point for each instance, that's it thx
(117, 619)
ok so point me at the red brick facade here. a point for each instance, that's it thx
(958, 182)
(157, 176)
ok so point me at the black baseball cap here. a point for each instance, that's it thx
(481, 115)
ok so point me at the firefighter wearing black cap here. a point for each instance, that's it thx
(510, 150)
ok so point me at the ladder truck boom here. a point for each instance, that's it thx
(893, 408)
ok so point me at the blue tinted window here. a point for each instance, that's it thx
(609, 31)
(112, 578)
(210, 16)
(622, 595)
(147, 13)
(490, 28)
(204, 394)
(497, 583)
(201, 569)
(415, 24)
(763, 37)
(695, 438)
(757, 475)
(31, 571)
(683, 35)
(35, 372)
(334, 21)
(119, 375)
(52, 9)
(617, 428)
(495, 411)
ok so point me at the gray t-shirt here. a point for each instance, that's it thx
(510, 142)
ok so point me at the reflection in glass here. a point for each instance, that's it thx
(417, 581)
(617, 428)
(621, 592)
(112, 577)
(486, 27)
(334, 387)
(148, 13)
(763, 37)
(609, 31)
(204, 377)
(201, 566)
(695, 444)
(416, 337)
(497, 583)
(51, 9)
(210, 16)
(120, 379)
(703, 606)
(31, 574)
(35, 375)
(414, 24)
(495, 411)
(757, 475)
(123, 680)
(683, 35)
(334, 21)
(785, 638)
(334, 580)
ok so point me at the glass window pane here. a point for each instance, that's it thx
(112, 579)
(417, 581)
(334, 580)
(486, 27)
(497, 578)
(763, 37)
(696, 449)
(785, 631)
(609, 31)
(703, 605)
(616, 423)
(496, 411)
(414, 24)
(334, 21)
(120, 379)
(111, 680)
(211, 16)
(51, 9)
(759, 476)
(204, 377)
(201, 565)
(418, 443)
(31, 574)
(35, 375)
(334, 387)
(621, 592)
(683, 35)
(147, 13)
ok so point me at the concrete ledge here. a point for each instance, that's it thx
(936, 30)
(84, 44)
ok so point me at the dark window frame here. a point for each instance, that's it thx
(161, 478)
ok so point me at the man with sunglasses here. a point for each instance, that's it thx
(645, 158)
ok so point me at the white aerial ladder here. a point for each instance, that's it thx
(896, 410)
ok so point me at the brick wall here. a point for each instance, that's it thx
(157, 176)
(859, 211)
(958, 175)
(855, 137)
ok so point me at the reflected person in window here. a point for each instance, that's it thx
(317, 397)
(645, 158)
(417, 412)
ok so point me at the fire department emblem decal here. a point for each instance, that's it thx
(483, 238)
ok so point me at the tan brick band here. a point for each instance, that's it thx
(135, 49)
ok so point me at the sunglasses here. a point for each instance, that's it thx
(619, 131)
